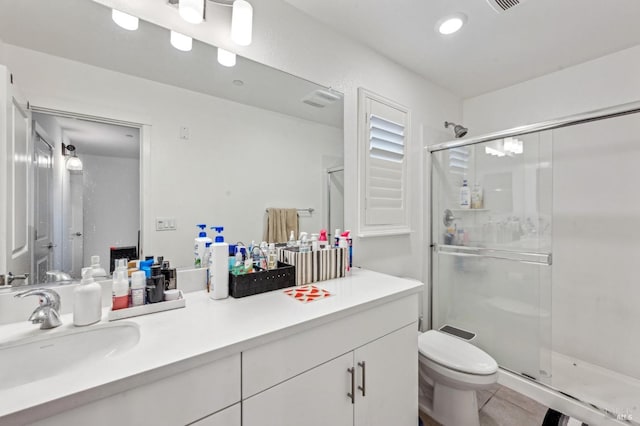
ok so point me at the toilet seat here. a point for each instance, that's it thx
(455, 354)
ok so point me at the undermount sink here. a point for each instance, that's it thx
(41, 357)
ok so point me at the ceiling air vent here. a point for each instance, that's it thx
(321, 98)
(504, 5)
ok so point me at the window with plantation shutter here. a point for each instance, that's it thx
(383, 147)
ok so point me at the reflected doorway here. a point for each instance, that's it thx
(94, 190)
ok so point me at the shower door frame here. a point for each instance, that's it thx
(549, 395)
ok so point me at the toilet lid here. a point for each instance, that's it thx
(455, 353)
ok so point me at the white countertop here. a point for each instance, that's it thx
(174, 341)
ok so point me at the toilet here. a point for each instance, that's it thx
(451, 370)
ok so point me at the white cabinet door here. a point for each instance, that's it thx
(317, 397)
(228, 417)
(387, 380)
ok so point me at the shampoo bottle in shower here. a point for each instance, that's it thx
(465, 195)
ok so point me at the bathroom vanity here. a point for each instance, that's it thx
(349, 359)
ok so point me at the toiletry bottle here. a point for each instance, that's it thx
(219, 267)
(347, 235)
(476, 197)
(87, 300)
(315, 244)
(322, 240)
(343, 243)
(264, 254)
(199, 247)
(292, 240)
(138, 288)
(336, 237)
(207, 263)
(273, 257)
(465, 195)
(155, 285)
(120, 290)
(304, 243)
(97, 271)
(238, 265)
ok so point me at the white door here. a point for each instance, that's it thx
(43, 210)
(15, 198)
(75, 202)
(387, 380)
(317, 397)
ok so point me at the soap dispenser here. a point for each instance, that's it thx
(97, 271)
(87, 300)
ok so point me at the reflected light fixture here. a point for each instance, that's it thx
(191, 11)
(242, 22)
(226, 58)
(124, 20)
(181, 41)
(73, 162)
(451, 24)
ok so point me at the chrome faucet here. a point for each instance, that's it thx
(48, 312)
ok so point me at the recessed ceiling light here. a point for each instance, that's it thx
(451, 24)
(124, 20)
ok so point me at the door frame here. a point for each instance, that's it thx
(145, 151)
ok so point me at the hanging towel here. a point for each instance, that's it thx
(280, 222)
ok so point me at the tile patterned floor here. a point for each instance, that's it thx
(501, 406)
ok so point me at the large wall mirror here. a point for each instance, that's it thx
(216, 145)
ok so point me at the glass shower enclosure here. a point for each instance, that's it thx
(540, 269)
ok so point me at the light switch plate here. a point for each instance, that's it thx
(166, 224)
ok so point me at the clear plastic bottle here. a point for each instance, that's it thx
(97, 271)
(138, 288)
(292, 240)
(273, 257)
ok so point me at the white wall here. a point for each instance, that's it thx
(594, 238)
(289, 40)
(238, 160)
(111, 205)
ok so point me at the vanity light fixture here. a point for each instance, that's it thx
(191, 11)
(451, 24)
(181, 41)
(73, 163)
(226, 58)
(242, 22)
(124, 20)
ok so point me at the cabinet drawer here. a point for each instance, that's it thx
(275, 362)
(174, 400)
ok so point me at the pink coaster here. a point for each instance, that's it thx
(307, 293)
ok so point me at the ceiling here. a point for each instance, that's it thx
(93, 138)
(83, 31)
(493, 50)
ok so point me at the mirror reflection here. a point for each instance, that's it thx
(208, 144)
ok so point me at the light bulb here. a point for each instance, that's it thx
(226, 58)
(181, 41)
(451, 24)
(124, 20)
(191, 10)
(74, 163)
(241, 22)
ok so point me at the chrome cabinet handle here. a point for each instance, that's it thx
(363, 387)
(352, 394)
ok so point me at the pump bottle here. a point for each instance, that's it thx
(219, 269)
(87, 300)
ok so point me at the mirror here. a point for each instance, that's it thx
(218, 145)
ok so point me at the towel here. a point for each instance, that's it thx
(280, 222)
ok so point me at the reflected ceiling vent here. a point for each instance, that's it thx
(504, 5)
(321, 98)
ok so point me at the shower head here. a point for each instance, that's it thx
(459, 130)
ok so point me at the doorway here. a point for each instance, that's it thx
(94, 190)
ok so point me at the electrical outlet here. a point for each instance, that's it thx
(166, 224)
